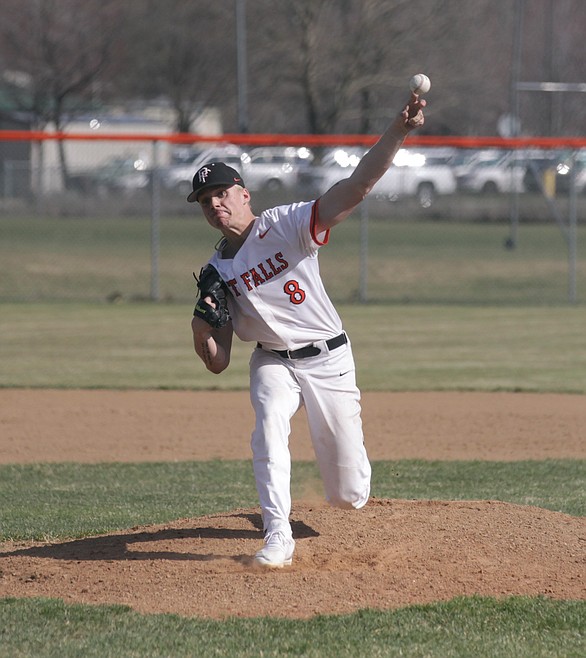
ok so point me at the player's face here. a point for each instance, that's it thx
(224, 207)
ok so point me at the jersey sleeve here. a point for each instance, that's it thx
(297, 224)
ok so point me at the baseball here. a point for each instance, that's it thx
(420, 84)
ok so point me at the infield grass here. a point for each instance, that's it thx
(516, 627)
(56, 501)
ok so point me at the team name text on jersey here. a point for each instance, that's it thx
(260, 274)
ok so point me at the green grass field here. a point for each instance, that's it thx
(57, 501)
(473, 627)
(407, 348)
(53, 501)
(421, 262)
(459, 313)
(426, 347)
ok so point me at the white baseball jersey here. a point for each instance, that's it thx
(279, 300)
(278, 297)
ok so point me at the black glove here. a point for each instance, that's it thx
(211, 284)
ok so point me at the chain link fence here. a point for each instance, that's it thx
(107, 221)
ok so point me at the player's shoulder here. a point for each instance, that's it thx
(290, 210)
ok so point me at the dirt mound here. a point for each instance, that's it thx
(389, 554)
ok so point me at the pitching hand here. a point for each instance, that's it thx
(412, 114)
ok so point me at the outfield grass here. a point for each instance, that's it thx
(398, 348)
(95, 259)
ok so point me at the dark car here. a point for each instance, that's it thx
(540, 172)
(568, 168)
(124, 175)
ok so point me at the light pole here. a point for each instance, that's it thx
(241, 66)
(511, 241)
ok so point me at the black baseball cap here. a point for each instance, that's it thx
(214, 174)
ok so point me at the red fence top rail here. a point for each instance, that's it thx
(301, 140)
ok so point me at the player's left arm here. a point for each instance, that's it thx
(341, 199)
(212, 345)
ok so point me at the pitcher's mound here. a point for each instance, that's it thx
(389, 554)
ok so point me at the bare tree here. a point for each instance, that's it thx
(341, 65)
(56, 50)
(338, 61)
(177, 54)
(314, 65)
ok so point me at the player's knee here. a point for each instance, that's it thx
(349, 499)
(348, 488)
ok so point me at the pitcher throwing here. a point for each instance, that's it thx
(263, 284)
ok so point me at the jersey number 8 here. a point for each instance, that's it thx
(296, 294)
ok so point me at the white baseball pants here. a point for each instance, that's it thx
(326, 386)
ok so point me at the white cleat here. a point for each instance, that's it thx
(277, 551)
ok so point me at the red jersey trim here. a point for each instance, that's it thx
(313, 226)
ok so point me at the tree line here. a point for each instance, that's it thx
(312, 66)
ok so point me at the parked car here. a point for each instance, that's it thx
(274, 168)
(182, 155)
(421, 174)
(178, 177)
(493, 174)
(123, 175)
(510, 171)
(540, 172)
(465, 159)
(334, 165)
(268, 168)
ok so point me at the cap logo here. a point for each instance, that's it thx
(203, 174)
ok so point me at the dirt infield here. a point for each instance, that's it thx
(391, 553)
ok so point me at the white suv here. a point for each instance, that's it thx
(423, 174)
(503, 172)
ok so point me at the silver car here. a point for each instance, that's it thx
(274, 168)
(268, 169)
(179, 177)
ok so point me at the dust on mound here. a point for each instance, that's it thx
(389, 554)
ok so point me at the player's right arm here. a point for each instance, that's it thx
(341, 199)
(213, 346)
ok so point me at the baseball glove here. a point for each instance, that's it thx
(211, 284)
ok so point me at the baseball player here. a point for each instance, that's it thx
(263, 284)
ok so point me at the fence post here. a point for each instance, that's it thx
(155, 224)
(573, 233)
(363, 284)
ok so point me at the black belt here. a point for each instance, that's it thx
(310, 350)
